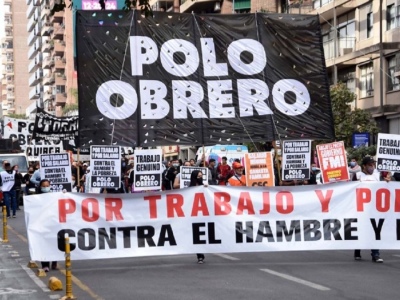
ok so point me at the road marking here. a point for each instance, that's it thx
(396, 255)
(298, 280)
(17, 234)
(11, 291)
(35, 279)
(55, 297)
(226, 256)
(83, 286)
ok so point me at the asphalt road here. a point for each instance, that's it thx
(279, 275)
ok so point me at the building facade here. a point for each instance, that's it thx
(14, 58)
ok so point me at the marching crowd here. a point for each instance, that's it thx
(11, 182)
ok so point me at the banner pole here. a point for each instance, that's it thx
(278, 165)
(78, 179)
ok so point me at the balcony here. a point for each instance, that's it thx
(48, 79)
(31, 23)
(34, 93)
(57, 17)
(48, 46)
(58, 33)
(10, 96)
(27, 1)
(34, 79)
(47, 96)
(32, 51)
(61, 99)
(31, 9)
(8, 23)
(61, 79)
(45, 12)
(48, 62)
(59, 63)
(35, 63)
(59, 48)
(46, 29)
(32, 37)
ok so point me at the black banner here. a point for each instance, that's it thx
(51, 128)
(205, 79)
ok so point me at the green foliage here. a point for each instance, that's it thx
(69, 108)
(360, 152)
(346, 120)
(17, 116)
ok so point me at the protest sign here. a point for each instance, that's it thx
(259, 169)
(388, 152)
(22, 131)
(214, 219)
(57, 169)
(296, 160)
(333, 162)
(185, 173)
(147, 170)
(105, 166)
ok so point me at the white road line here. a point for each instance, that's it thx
(35, 279)
(298, 280)
(55, 297)
(396, 255)
(226, 256)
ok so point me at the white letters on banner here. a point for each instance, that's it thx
(213, 219)
(57, 169)
(388, 152)
(252, 93)
(22, 131)
(105, 166)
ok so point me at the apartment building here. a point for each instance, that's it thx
(14, 59)
(361, 40)
(52, 77)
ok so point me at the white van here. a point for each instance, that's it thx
(15, 159)
(231, 152)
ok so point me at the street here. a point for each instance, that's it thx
(278, 275)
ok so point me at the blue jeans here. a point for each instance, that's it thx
(10, 201)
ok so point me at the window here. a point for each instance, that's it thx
(367, 80)
(393, 82)
(393, 16)
(370, 24)
(328, 42)
(60, 89)
(319, 3)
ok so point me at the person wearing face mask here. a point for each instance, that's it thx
(196, 179)
(29, 186)
(43, 188)
(369, 174)
(354, 169)
(170, 174)
(313, 175)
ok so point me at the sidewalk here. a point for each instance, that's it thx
(17, 281)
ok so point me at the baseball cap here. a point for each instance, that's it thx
(236, 165)
(368, 159)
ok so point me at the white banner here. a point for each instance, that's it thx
(22, 131)
(215, 219)
(388, 152)
(147, 170)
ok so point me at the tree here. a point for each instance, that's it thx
(346, 120)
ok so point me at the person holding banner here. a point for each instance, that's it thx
(44, 187)
(237, 179)
(196, 179)
(177, 181)
(369, 174)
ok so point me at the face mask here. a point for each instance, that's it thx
(175, 165)
(45, 189)
(353, 164)
(314, 168)
(370, 170)
(199, 181)
(30, 172)
(123, 165)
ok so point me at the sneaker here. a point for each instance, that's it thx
(357, 257)
(200, 261)
(8, 217)
(46, 269)
(14, 216)
(377, 259)
(54, 266)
